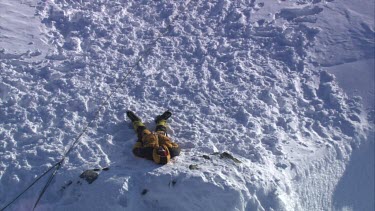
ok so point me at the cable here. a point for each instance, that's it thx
(47, 184)
(102, 106)
(36, 180)
(59, 164)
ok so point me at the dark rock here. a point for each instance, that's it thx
(89, 175)
(226, 155)
(206, 157)
(144, 192)
(172, 183)
(193, 167)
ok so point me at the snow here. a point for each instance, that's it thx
(356, 78)
(284, 87)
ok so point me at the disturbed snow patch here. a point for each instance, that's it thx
(261, 125)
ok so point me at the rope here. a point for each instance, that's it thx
(59, 164)
(35, 181)
(48, 183)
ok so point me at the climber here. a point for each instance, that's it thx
(156, 146)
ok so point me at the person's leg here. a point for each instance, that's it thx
(140, 129)
(161, 127)
(161, 122)
(138, 126)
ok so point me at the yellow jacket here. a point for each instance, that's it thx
(148, 146)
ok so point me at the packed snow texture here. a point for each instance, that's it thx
(272, 101)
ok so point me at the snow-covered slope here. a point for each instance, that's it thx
(272, 101)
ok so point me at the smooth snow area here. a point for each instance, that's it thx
(358, 180)
(20, 29)
(357, 79)
(272, 101)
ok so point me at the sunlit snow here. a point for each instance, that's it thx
(272, 102)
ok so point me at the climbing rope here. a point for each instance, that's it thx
(35, 181)
(76, 141)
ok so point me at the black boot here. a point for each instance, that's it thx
(164, 116)
(131, 115)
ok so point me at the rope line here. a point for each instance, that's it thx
(76, 141)
(48, 183)
(35, 181)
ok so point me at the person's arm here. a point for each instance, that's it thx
(143, 152)
(174, 149)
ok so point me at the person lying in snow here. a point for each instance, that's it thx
(156, 146)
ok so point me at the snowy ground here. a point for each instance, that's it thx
(285, 87)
